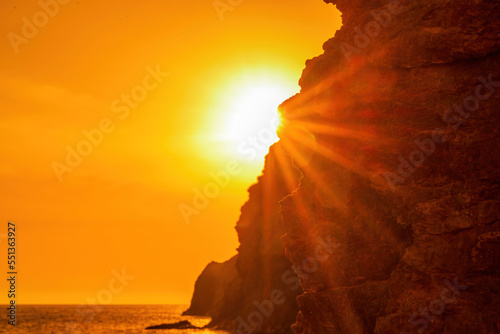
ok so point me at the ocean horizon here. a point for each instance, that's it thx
(99, 319)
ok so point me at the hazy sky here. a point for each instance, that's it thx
(151, 98)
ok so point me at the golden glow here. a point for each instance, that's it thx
(249, 115)
(119, 207)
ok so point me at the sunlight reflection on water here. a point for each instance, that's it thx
(123, 319)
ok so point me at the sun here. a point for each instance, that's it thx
(254, 111)
(249, 115)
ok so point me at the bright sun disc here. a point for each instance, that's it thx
(250, 116)
(254, 111)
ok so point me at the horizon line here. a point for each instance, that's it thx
(57, 304)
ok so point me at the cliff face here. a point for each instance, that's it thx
(255, 292)
(396, 133)
(269, 286)
(395, 225)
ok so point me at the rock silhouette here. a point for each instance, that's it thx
(233, 291)
(178, 325)
(208, 297)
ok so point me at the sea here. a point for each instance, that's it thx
(99, 319)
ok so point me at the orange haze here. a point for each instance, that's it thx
(65, 84)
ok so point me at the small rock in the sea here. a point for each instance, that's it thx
(178, 325)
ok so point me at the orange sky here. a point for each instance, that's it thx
(119, 206)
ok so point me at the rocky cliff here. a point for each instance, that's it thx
(396, 132)
(255, 292)
(395, 225)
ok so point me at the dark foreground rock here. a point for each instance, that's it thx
(178, 325)
(401, 170)
(209, 290)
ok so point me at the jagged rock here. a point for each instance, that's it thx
(233, 293)
(405, 232)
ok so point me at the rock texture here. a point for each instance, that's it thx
(396, 131)
(237, 294)
(395, 225)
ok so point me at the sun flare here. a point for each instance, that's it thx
(252, 111)
(250, 116)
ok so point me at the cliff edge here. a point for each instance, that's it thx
(256, 291)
